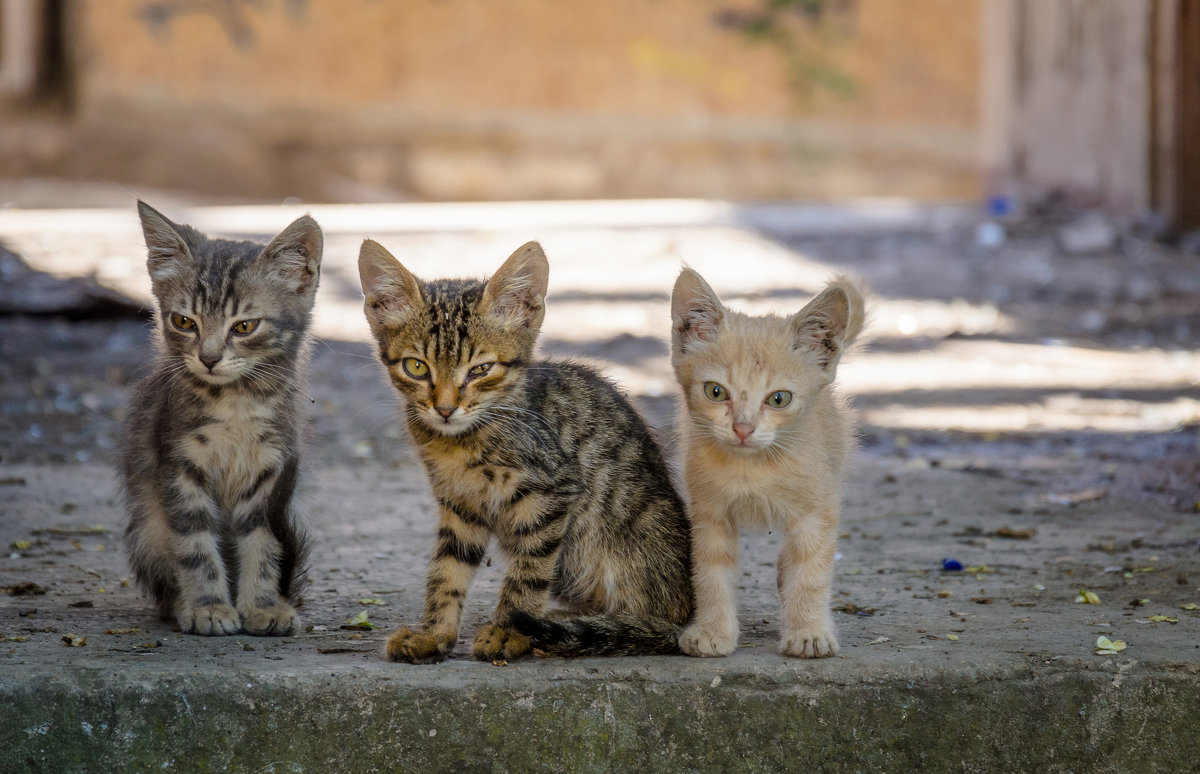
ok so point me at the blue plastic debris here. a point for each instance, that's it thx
(951, 565)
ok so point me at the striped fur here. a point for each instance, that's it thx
(546, 458)
(210, 457)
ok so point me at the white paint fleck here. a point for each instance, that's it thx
(432, 732)
(715, 682)
(86, 726)
(41, 729)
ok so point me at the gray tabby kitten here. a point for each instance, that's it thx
(211, 448)
(546, 458)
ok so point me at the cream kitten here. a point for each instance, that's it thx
(765, 440)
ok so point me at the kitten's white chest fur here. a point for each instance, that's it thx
(236, 444)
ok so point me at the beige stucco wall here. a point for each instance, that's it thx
(523, 98)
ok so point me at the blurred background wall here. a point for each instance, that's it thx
(361, 100)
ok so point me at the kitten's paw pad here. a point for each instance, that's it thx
(275, 621)
(812, 643)
(494, 643)
(698, 640)
(413, 647)
(210, 620)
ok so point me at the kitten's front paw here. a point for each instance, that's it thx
(415, 647)
(210, 620)
(698, 640)
(277, 620)
(810, 643)
(494, 643)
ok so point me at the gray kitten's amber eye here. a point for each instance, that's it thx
(715, 392)
(779, 399)
(479, 370)
(417, 369)
(245, 327)
(183, 323)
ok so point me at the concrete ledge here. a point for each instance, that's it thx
(649, 714)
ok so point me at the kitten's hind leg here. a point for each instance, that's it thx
(805, 576)
(461, 545)
(714, 627)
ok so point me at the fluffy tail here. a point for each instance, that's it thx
(617, 634)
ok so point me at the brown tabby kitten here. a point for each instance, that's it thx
(765, 440)
(211, 448)
(547, 458)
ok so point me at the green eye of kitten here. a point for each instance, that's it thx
(779, 399)
(183, 323)
(245, 327)
(415, 368)
(479, 370)
(715, 392)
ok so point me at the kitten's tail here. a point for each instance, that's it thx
(614, 634)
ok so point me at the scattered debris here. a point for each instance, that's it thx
(944, 593)
(498, 662)
(73, 640)
(82, 603)
(952, 637)
(330, 651)
(1164, 619)
(982, 600)
(878, 641)
(358, 621)
(370, 601)
(22, 545)
(132, 630)
(1015, 534)
(1075, 498)
(14, 638)
(25, 589)
(852, 609)
(12, 481)
(1087, 597)
(1189, 606)
(1107, 647)
(151, 645)
(1139, 602)
(951, 565)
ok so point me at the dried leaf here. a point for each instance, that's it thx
(879, 640)
(133, 630)
(14, 638)
(358, 621)
(25, 589)
(1087, 597)
(74, 640)
(1163, 619)
(1107, 647)
(943, 593)
(952, 637)
(22, 545)
(1189, 606)
(1015, 534)
(370, 601)
(979, 569)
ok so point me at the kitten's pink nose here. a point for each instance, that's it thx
(210, 362)
(445, 411)
(743, 431)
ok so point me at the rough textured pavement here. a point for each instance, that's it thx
(1027, 412)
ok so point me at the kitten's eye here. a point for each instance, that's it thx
(415, 368)
(779, 399)
(245, 327)
(715, 392)
(183, 323)
(479, 370)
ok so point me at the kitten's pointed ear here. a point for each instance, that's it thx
(390, 289)
(296, 254)
(165, 245)
(696, 312)
(829, 323)
(516, 293)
